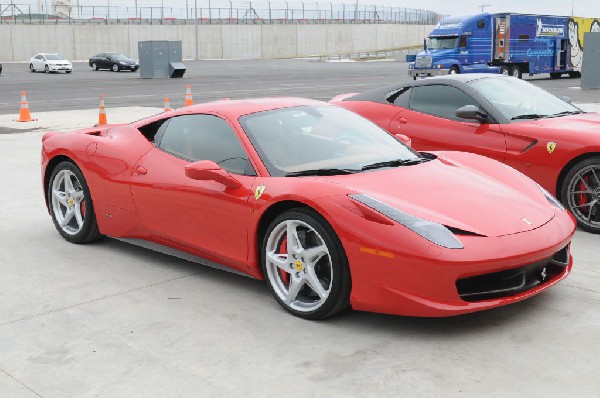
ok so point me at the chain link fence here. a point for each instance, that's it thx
(207, 12)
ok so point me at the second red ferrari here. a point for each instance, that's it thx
(504, 118)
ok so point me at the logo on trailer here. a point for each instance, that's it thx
(551, 146)
(549, 29)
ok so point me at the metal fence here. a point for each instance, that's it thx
(207, 12)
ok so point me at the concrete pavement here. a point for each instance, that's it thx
(113, 320)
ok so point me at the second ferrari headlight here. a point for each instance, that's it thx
(550, 198)
(432, 231)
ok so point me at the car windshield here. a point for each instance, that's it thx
(53, 57)
(322, 140)
(118, 57)
(518, 100)
(441, 43)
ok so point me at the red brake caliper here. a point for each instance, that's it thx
(283, 250)
(583, 199)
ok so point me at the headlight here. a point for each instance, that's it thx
(123, 63)
(432, 231)
(550, 198)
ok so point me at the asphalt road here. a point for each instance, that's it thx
(212, 80)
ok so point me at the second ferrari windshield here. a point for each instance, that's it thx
(312, 138)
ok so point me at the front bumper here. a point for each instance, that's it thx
(427, 72)
(58, 68)
(430, 281)
(132, 68)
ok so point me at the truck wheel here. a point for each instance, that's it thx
(454, 70)
(555, 75)
(515, 71)
(574, 75)
(504, 71)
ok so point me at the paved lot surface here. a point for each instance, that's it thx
(113, 320)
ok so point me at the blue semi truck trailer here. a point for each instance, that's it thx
(507, 43)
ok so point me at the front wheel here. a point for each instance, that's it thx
(305, 265)
(115, 68)
(71, 204)
(94, 66)
(581, 193)
(454, 70)
(504, 70)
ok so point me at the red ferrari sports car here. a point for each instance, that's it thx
(504, 118)
(327, 207)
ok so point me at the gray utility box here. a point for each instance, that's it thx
(160, 59)
(590, 76)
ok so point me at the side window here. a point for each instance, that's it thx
(438, 100)
(481, 24)
(204, 137)
(400, 97)
(463, 42)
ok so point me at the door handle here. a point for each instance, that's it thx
(140, 171)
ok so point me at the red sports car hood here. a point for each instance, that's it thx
(458, 196)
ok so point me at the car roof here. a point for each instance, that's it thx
(379, 94)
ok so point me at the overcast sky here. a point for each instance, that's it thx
(582, 8)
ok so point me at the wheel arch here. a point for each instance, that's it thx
(565, 170)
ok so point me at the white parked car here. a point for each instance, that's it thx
(50, 63)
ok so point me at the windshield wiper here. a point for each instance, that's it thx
(559, 114)
(528, 116)
(320, 172)
(394, 163)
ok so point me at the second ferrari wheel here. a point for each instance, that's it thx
(581, 193)
(305, 265)
(71, 204)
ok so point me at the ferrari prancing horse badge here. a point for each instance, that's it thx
(259, 191)
(551, 146)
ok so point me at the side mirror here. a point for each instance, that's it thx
(566, 99)
(403, 139)
(425, 44)
(209, 170)
(471, 112)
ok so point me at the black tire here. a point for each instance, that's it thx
(515, 71)
(94, 66)
(454, 70)
(68, 71)
(89, 231)
(338, 298)
(31, 68)
(115, 68)
(574, 75)
(46, 69)
(505, 70)
(583, 176)
(555, 75)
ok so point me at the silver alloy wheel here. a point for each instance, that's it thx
(299, 265)
(46, 69)
(115, 68)
(68, 204)
(94, 66)
(584, 196)
(31, 68)
(452, 71)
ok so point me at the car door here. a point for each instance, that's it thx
(429, 118)
(39, 62)
(204, 215)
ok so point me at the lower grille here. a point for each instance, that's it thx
(513, 281)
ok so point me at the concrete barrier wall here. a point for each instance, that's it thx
(79, 42)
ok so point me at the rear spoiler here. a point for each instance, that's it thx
(342, 97)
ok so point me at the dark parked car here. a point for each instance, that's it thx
(113, 61)
(0, 69)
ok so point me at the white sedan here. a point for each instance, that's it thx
(50, 63)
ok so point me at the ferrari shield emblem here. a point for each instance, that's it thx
(259, 191)
(551, 146)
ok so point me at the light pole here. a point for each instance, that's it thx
(483, 6)
(196, 17)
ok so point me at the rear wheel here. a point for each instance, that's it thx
(31, 68)
(581, 193)
(574, 75)
(305, 265)
(71, 204)
(46, 69)
(515, 71)
(504, 70)
(555, 75)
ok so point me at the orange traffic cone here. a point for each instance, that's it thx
(167, 106)
(188, 96)
(102, 115)
(24, 115)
